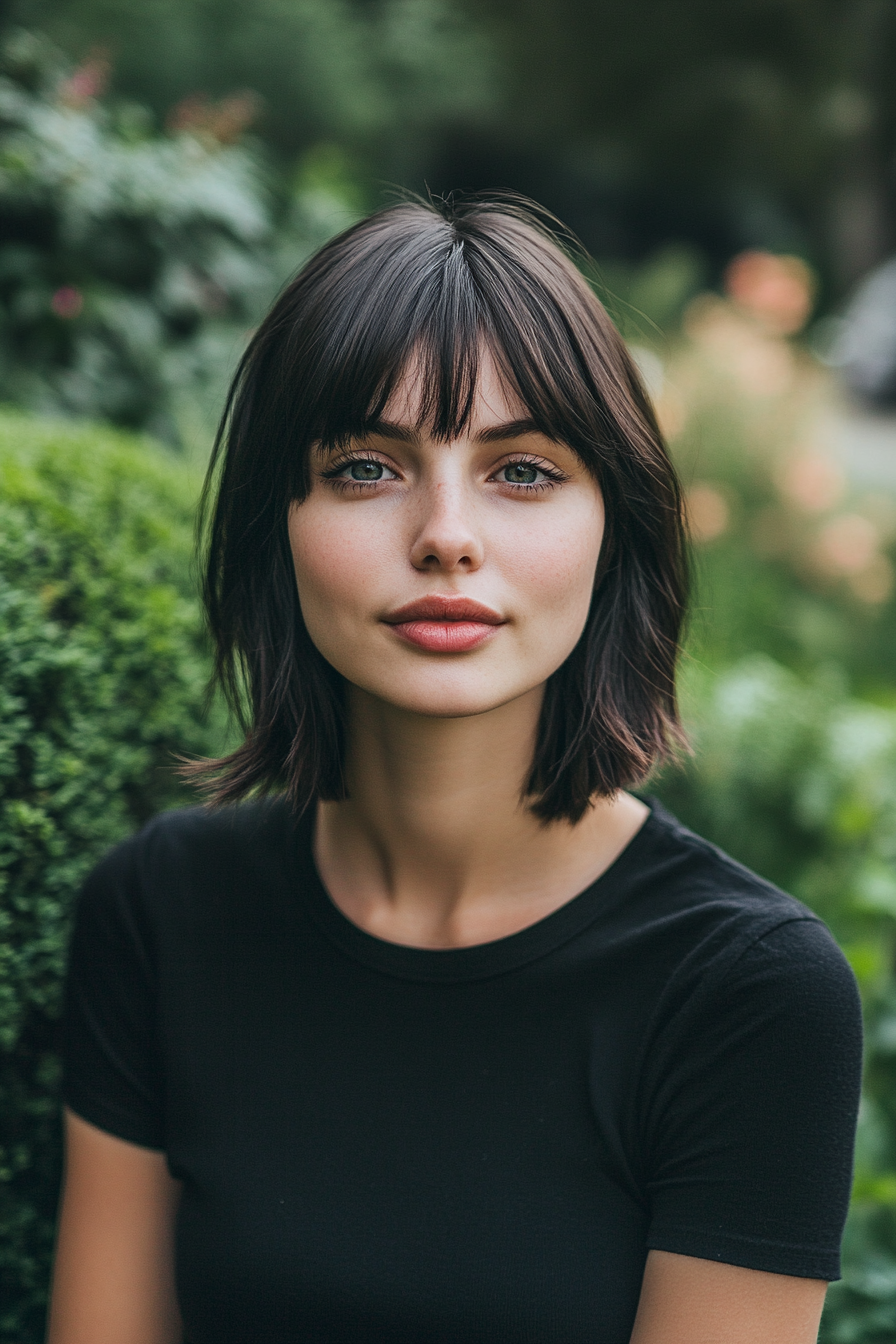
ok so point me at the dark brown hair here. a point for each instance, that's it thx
(440, 282)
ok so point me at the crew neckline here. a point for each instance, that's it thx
(480, 960)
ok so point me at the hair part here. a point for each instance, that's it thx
(437, 284)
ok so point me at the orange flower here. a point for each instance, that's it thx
(776, 291)
(708, 513)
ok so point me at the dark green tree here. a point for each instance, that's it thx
(769, 122)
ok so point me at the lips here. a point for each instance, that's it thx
(444, 624)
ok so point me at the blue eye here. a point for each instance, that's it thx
(520, 473)
(366, 471)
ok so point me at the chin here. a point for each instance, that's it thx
(446, 702)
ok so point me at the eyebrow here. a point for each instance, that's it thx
(511, 429)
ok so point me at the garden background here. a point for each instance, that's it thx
(166, 165)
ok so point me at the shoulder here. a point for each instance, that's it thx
(208, 830)
(712, 923)
(191, 853)
(691, 884)
(739, 947)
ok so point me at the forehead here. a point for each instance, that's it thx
(495, 400)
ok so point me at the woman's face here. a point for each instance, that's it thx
(448, 579)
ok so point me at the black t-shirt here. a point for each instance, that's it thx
(469, 1146)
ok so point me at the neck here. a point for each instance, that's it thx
(445, 790)
(435, 845)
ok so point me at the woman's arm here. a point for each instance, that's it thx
(114, 1277)
(689, 1301)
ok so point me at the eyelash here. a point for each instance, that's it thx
(553, 476)
(332, 473)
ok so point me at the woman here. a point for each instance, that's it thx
(451, 1038)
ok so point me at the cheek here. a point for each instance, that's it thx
(557, 563)
(333, 564)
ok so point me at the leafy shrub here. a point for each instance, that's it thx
(799, 781)
(119, 247)
(103, 669)
(383, 78)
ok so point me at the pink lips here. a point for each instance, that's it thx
(444, 624)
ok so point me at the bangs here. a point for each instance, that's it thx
(433, 329)
(426, 298)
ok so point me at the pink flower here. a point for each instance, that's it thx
(67, 302)
(87, 82)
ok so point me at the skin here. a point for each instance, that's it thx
(113, 1280)
(434, 847)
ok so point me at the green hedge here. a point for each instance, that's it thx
(103, 670)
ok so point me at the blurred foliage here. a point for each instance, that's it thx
(798, 780)
(791, 557)
(382, 78)
(131, 262)
(647, 298)
(766, 123)
(103, 670)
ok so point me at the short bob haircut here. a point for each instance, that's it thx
(440, 283)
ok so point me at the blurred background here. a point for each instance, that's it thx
(731, 169)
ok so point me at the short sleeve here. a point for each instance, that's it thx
(112, 1074)
(753, 1108)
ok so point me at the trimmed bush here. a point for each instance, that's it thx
(103, 670)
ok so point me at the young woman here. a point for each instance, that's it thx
(450, 1039)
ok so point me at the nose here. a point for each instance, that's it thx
(447, 537)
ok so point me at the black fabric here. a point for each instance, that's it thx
(470, 1146)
